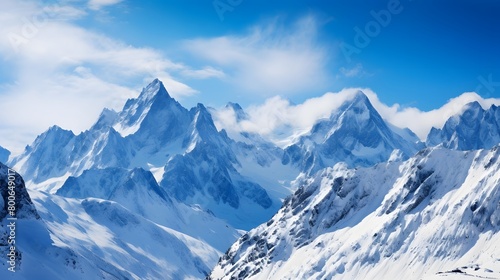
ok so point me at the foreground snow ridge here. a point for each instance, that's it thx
(435, 215)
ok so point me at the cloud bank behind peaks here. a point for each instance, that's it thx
(281, 122)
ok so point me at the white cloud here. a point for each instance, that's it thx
(421, 122)
(64, 74)
(271, 59)
(281, 122)
(98, 4)
(205, 73)
(356, 71)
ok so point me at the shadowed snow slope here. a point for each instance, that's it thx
(355, 134)
(36, 254)
(474, 128)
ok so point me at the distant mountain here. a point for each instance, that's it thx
(135, 189)
(4, 154)
(474, 128)
(435, 213)
(138, 191)
(356, 134)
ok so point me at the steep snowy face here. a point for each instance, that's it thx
(92, 238)
(51, 148)
(437, 212)
(24, 208)
(26, 246)
(475, 128)
(4, 154)
(159, 118)
(195, 162)
(206, 174)
(57, 152)
(113, 183)
(355, 134)
(152, 109)
(135, 189)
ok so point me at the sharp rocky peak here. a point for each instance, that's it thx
(154, 89)
(134, 108)
(238, 111)
(359, 102)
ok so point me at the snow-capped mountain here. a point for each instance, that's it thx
(438, 212)
(355, 134)
(474, 128)
(90, 238)
(193, 161)
(157, 191)
(138, 192)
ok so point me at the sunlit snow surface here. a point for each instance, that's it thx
(436, 212)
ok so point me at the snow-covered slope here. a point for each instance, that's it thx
(90, 238)
(474, 128)
(438, 212)
(36, 254)
(110, 236)
(139, 193)
(355, 134)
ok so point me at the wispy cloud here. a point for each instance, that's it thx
(421, 122)
(271, 58)
(98, 4)
(205, 73)
(280, 121)
(356, 71)
(64, 74)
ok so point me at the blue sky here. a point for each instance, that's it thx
(65, 60)
(429, 52)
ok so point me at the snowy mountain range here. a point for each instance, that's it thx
(475, 128)
(157, 191)
(437, 212)
(355, 134)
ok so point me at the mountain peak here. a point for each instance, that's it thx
(238, 111)
(355, 133)
(360, 100)
(4, 154)
(360, 96)
(473, 107)
(472, 128)
(108, 117)
(203, 119)
(234, 106)
(155, 88)
(153, 105)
